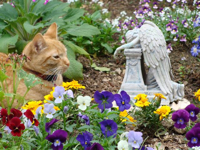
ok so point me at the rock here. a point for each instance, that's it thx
(180, 131)
(180, 105)
(168, 122)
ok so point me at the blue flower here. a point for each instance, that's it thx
(57, 138)
(95, 146)
(193, 111)
(49, 124)
(85, 118)
(196, 40)
(104, 99)
(58, 94)
(49, 110)
(135, 139)
(181, 117)
(122, 100)
(108, 128)
(194, 137)
(195, 51)
(85, 139)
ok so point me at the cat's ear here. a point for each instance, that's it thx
(52, 31)
(38, 43)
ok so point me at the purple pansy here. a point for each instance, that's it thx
(140, 14)
(135, 139)
(108, 128)
(193, 111)
(85, 139)
(145, 9)
(183, 38)
(49, 124)
(104, 99)
(196, 22)
(169, 27)
(155, 5)
(69, 94)
(198, 4)
(194, 137)
(174, 29)
(176, 38)
(85, 118)
(185, 24)
(181, 117)
(143, 148)
(195, 50)
(169, 48)
(122, 100)
(65, 109)
(57, 138)
(58, 94)
(197, 125)
(95, 146)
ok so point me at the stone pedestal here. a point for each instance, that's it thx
(133, 82)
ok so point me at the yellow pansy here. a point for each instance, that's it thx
(163, 111)
(49, 96)
(142, 103)
(123, 114)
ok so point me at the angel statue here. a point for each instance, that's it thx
(154, 50)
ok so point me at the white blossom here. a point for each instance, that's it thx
(123, 145)
(83, 102)
(104, 11)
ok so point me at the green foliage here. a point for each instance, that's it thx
(97, 44)
(19, 24)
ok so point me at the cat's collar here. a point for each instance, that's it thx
(49, 78)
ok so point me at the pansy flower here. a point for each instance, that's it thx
(169, 27)
(183, 38)
(30, 116)
(155, 5)
(123, 145)
(104, 99)
(174, 29)
(181, 118)
(85, 118)
(194, 137)
(57, 138)
(176, 38)
(134, 139)
(85, 139)
(108, 128)
(58, 94)
(140, 14)
(83, 101)
(198, 4)
(49, 124)
(163, 111)
(185, 24)
(193, 111)
(49, 110)
(122, 100)
(16, 126)
(96, 146)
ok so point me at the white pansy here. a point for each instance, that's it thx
(123, 145)
(83, 102)
(115, 22)
(124, 136)
(95, 1)
(49, 110)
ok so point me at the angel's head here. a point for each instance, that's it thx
(132, 34)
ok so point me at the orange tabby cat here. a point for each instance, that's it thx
(48, 60)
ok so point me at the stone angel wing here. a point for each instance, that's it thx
(155, 54)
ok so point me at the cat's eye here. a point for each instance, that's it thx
(56, 57)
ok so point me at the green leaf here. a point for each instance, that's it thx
(26, 146)
(20, 45)
(83, 30)
(109, 49)
(73, 14)
(100, 68)
(86, 127)
(1, 95)
(96, 15)
(77, 49)
(75, 70)
(70, 128)
(29, 28)
(3, 76)
(2, 25)
(7, 40)
(8, 12)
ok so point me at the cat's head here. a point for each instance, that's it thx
(48, 56)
